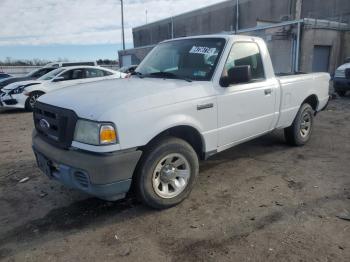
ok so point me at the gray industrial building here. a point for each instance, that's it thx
(302, 35)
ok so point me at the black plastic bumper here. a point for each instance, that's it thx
(341, 84)
(107, 176)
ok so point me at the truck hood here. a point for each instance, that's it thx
(92, 100)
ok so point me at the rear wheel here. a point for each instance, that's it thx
(31, 100)
(299, 133)
(167, 173)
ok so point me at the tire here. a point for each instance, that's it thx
(341, 93)
(167, 173)
(299, 133)
(30, 102)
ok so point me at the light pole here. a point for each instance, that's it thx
(123, 34)
(237, 16)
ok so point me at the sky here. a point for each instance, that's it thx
(78, 29)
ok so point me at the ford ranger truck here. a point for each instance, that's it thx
(189, 99)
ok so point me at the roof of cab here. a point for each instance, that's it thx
(224, 36)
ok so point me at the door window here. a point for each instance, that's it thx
(243, 54)
(74, 74)
(41, 72)
(93, 72)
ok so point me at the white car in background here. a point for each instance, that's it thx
(24, 94)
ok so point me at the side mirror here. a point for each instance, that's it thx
(58, 79)
(237, 75)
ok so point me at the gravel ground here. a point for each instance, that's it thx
(260, 201)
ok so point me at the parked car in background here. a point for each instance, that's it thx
(3, 75)
(31, 76)
(341, 80)
(189, 99)
(128, 69)
(24, 94)
(42, 71)
(65, 64)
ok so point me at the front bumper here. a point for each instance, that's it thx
(14, 101)
(106, 176)
(341, 84)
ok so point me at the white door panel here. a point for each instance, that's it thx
(246, 111)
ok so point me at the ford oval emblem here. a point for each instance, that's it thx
(44, 124)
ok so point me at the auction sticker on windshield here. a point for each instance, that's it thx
(202, 50)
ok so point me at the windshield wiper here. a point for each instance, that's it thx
(170, 75)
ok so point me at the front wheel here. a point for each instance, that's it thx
(299, 133)
(31, 100)
(167, 173)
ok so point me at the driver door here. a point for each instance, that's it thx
(245, 110)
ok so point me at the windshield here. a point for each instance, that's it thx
(32, 73)
(193, 59)
(51, 74)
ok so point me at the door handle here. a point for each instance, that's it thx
(268, 91)
(205, 106)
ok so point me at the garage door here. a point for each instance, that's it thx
(321, 58)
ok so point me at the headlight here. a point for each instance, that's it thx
(95, 133)
(17, 90)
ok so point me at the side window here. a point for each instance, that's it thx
(245, 53)
(73, 74)
(107, 73)
(92, 73)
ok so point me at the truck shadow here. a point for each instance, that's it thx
(76, 216)
(270, 143)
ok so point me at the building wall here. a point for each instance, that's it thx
(137, 55)
(320, 37)
(221, 17)
(337, 10)
(213, 19)
(345, 47)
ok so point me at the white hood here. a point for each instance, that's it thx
(22, 83)
(93, 100)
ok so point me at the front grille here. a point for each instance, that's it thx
(56, 125)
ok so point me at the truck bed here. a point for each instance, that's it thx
(295, 88)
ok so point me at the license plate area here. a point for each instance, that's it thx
(46, 165)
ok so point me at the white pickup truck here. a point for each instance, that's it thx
(190, 98)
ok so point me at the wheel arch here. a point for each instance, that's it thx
(186, 132)
(312, 100)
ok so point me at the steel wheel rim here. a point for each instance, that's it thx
(171, 176)
(305, 125)
(32, 99)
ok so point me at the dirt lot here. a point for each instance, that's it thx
(261, 201)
